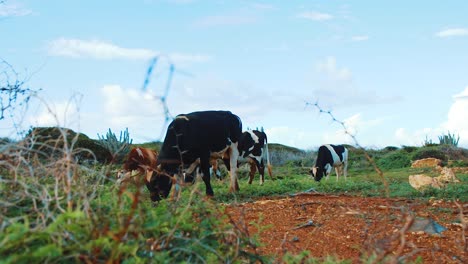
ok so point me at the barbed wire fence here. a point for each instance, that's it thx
(163, 97)
(14, 93)
(347, 132)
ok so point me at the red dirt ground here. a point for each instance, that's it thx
(354, 227)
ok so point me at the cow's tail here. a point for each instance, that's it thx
(269, 167)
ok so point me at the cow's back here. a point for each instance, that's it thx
(196, 132)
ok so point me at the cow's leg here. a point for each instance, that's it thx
(227, 162)
(328, 169)
(337, 171)
(253, 169)
(214, 167)
(205, 170)
(261, 170)
(233, 156)
(345, 170)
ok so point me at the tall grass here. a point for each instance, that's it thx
(56, 210)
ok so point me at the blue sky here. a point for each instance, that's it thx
(395, 72)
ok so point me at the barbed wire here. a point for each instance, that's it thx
(168, 85)
(356, 143)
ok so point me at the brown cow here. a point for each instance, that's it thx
(142, 160)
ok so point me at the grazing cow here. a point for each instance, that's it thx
(143, 160)
(192, 138)
(328, 157)
(253, 149)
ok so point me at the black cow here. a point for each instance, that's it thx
(328, 157)
(192, 138)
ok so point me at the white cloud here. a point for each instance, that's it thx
(62, 114)
(123, 106)
(455, 124)
(359, 38)
(12, 10)
(329, 67)
(403, 137)
(457, 117)
(96, 49)
(316, 16)
(288, 136)
(335, 87)
(452, 32)
(354, 126)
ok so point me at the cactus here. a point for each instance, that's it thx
(449, 139)
(117, 147)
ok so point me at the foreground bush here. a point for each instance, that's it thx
(55, 210)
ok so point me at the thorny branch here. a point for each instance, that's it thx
(12, 89)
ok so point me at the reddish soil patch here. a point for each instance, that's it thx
(355, 227)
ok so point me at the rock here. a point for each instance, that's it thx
(421, 181)
(447, 176)
(462, 170)
(426, 163)
(426, 225)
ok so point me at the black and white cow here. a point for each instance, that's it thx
(329, 157)
(192, 138)
(253, 149)
(253, 146)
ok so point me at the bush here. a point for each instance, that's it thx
(281, 155)
(51, 141)
(63, 212)
(394, 160)
(429, 152)
(390, 149)
(409, 149)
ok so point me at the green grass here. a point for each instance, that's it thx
(183, 228)
(358, 183)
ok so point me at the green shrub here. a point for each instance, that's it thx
(459, 163)
(409, 149)
(280, 155)
(50, 142)
(429, 152)
(390, 148)
(394, 160)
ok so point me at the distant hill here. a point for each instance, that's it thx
(281, 147)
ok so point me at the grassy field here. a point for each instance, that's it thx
(57, 210)
(290, 180)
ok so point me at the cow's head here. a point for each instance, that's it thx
(159, 181)
(159, 186)
(316, 173)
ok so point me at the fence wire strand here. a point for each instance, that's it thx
(317, 106)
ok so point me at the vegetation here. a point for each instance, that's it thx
(449, 139)
(57, 209)
(118, 148)
(47, 142)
